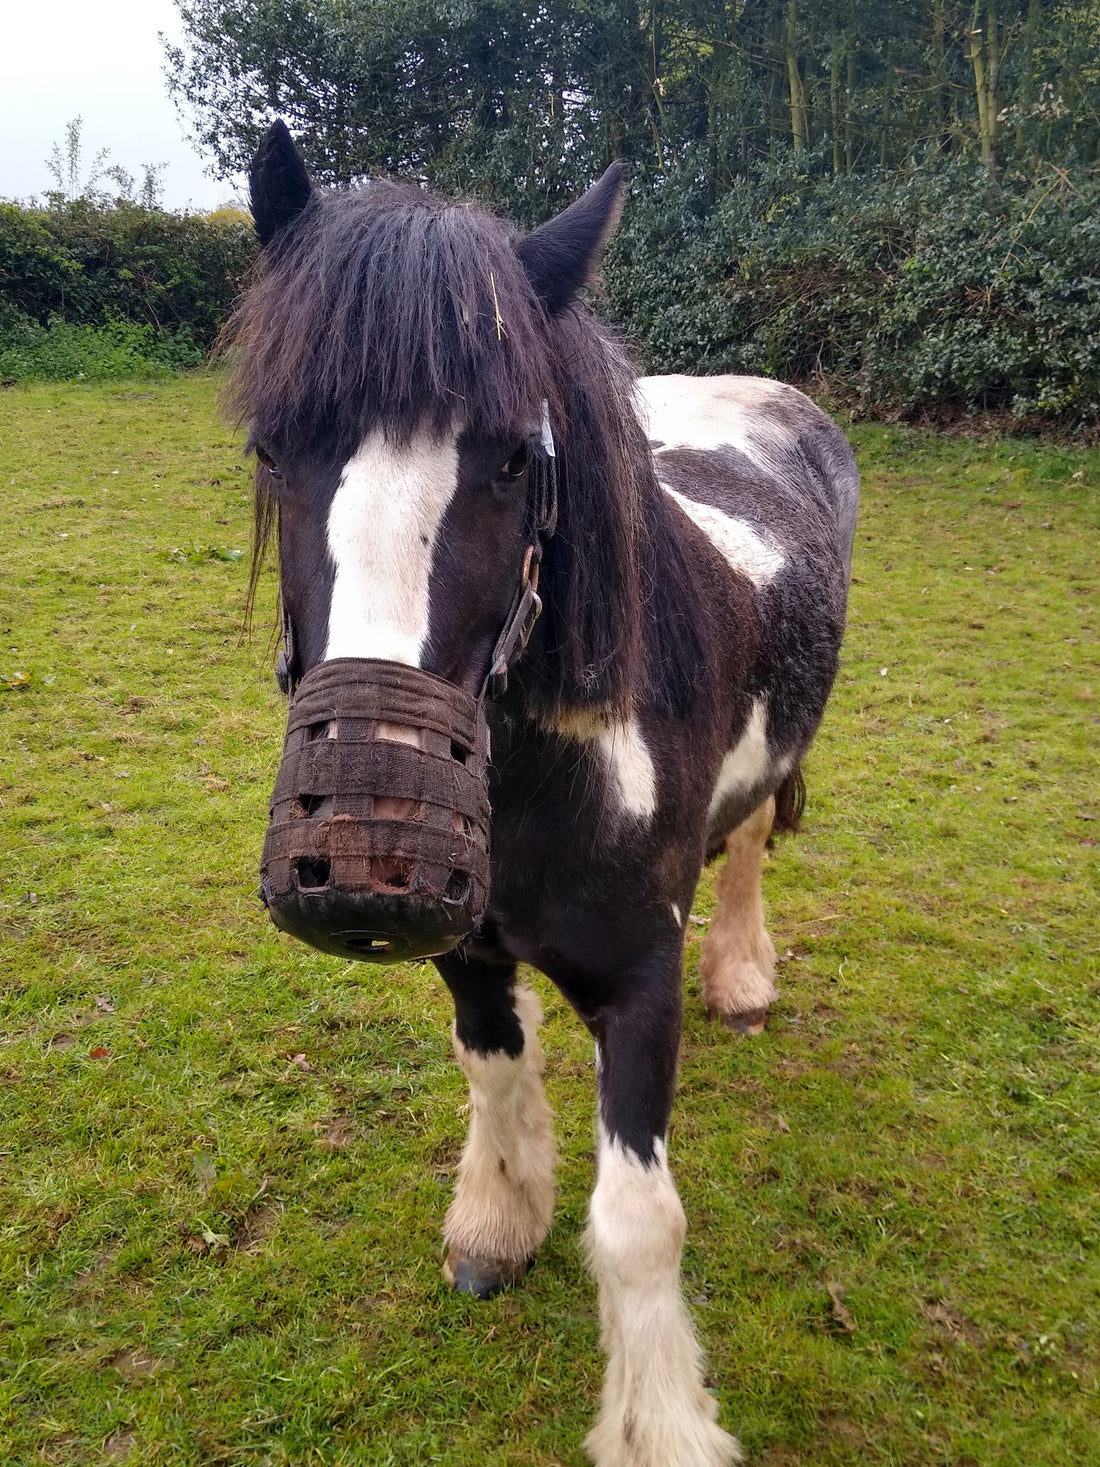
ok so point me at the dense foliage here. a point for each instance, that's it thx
(896, 202)
(88, 286)
(529, 100)
(938, 291)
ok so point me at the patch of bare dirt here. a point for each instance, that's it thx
(254, 1228)
(137, 1365)
(119, 1445)
(952, 1323)
(335, 1133)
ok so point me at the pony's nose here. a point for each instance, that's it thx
(377, 847)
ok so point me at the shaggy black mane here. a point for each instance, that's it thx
(390, 308)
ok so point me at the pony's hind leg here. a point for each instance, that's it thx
(504, 1196)
(737, 963)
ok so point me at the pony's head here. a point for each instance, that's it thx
(432, 413)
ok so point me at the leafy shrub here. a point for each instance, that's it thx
(66, 352)
(940, 290)
(93, 265)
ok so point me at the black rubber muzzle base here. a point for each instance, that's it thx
(378, 845)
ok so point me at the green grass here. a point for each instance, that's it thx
(224, 1160)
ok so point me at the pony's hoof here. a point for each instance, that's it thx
(480, 1277)
(752, 1021)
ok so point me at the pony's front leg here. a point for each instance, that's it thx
(504, 1197)
(655, 1410)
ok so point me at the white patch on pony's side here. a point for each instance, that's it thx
(655, 1411)
(716, 412)
(676, 915)
(744, 548)
(630, 763)
(504, 1197)
(747, 762)
(382, 528)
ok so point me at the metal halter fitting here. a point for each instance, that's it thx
(378, 844)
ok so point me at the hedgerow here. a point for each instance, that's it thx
(85, 285)
(941, 291)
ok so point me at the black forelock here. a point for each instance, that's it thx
(387, 307)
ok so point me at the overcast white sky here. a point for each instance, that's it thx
(100, 60)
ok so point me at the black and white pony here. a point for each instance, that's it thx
(448, 443)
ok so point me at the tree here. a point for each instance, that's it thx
(524, 101)
(67, 167)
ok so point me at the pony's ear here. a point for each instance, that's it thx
(278, 184)
(561, 255)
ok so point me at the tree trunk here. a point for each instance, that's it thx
(799, 121)
(985, 60)
(1026, 96)
(940, 95)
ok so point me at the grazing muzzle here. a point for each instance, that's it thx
(378, 846)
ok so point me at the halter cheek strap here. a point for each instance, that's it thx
(525, 612)
(527, 603)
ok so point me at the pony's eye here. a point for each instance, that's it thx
(265, 458)
(516, 466)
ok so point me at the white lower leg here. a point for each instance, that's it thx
(737, 963)
(504, 1198)
(655, 1411)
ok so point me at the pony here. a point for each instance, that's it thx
(555, 635)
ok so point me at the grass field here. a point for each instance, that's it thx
(224, 1160)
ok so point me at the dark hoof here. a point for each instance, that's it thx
(481, 1278)
(752, 1021)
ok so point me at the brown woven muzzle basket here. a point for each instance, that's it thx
(378, 845)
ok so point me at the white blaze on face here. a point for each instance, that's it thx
(382, 528)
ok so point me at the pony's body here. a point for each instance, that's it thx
(695, 556)
(758, 495)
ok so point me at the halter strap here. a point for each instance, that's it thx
(527, 603)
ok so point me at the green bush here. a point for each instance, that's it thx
(938, 291)
(91, 264)
(63, 351)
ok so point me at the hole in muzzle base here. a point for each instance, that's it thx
(313, 872)
(365, 945)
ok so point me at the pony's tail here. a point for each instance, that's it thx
(790, 803)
